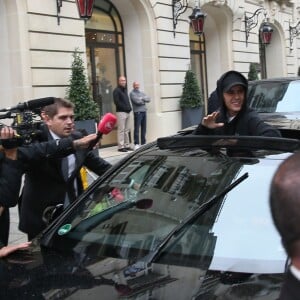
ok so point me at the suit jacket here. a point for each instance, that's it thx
(44, 185)
(290, 288)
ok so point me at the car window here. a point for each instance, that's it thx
(131, 213)
(268, 97)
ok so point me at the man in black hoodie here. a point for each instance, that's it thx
(234, 117)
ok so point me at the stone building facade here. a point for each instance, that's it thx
(138, 38)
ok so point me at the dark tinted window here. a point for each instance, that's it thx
(274, 96)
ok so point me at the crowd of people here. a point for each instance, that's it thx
(51, 167)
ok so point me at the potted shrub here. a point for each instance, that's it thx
(252, 74)
(86, 109)
(191, 101)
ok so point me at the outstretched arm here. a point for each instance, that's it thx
(6, 250)
(54, 148)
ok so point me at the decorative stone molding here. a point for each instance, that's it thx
(218, 2)
(232, 4)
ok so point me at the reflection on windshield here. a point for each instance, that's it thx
(111, 223)
(110, 219)
(271, 97)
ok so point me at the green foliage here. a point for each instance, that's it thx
(78, 92)
(252, 74)
(191, 95)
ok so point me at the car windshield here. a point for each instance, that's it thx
(268, 97)
(129, 214)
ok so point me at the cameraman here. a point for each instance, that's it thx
(10, 179)
(13, 163)
(52, 182)
(11, 171)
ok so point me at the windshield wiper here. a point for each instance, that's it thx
(199, 211)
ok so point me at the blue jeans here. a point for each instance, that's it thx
(140, 121)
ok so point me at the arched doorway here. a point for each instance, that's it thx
(105, 57)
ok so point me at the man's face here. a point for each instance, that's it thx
(62, 124)
(234, 99)
(122, 81)
(136, 86)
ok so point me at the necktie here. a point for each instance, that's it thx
(68, 163)
(65, 168)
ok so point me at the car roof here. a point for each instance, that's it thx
(275, 79)
(216, 142)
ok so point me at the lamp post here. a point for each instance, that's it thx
(265, 30)
(85, 8)
(178, 8)
(58, 7)
(197, 19)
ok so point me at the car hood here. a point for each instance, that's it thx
(48, 275)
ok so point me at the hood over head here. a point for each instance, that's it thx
(227, 81)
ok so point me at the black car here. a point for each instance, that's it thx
(186, 217)
(277, 101)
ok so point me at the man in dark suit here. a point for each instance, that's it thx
(54, 181)
(285, 208)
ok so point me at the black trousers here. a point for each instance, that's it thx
(4, 227)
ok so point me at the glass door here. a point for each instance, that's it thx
(102, 77)
(101, 67)
(105, 58)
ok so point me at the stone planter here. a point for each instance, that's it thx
(191, 116)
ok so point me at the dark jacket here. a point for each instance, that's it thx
(10, 182)
(291, 288)
(121, 100)
(213, 102)
(45, 185)
(246, 122)
(11, 172)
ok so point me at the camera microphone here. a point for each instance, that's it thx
(107, 124)
(31, 104)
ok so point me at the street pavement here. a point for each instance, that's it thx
(110, 154)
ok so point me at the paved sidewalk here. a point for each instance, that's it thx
(111, 154)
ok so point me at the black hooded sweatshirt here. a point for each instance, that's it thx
(246, 122)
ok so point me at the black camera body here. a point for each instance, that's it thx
(26, 121)
(28, 126)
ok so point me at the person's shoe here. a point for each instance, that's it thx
(137, 146)
(122, 150)
(128, 149)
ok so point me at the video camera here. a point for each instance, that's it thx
(26, 119)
